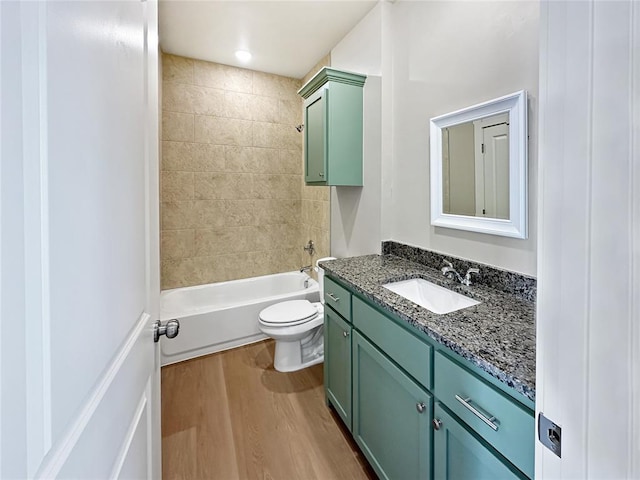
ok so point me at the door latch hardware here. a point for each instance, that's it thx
(170, 329)
(550, 434)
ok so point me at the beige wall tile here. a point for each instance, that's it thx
(238, 213)
(210, 242)
(179, 97)
(289, 138)
(214, 185)
(208, 74)
(230, 144)
(209, 213)
(192, 157)
(207, 157)
(267, 160)
(238, 79)
(266, 135)
(276, 186)
(222, 131)
(290, 112)
(177, 156)
(177, 69)
(290, 162)
(264, 109)
(177, 126)
(239, 105)
(266, 84)
(240, 159)
(177, 243)
(175, 186)
(269, 85)
(177, 215)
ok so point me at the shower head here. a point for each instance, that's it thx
(300, 128)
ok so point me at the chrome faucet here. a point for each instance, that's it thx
(306, 269)
(451, 273)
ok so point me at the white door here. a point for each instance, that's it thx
(492, 166)
(588, 309)
(496, 171)
(78, 240)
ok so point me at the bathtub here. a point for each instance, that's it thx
(224, 315)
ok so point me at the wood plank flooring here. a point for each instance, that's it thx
(230, 415)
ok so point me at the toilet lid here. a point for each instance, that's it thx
(292, 312)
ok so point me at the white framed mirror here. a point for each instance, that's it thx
(479, 167)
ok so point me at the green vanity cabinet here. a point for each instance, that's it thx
(459, 454)
(337, 364)
(415, 408)
(391, 415)
(333, 124)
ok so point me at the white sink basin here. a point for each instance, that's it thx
(431, 296)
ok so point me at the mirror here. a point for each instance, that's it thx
(479, 167)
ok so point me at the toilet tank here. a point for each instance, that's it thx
(320, 271)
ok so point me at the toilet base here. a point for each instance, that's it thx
(291, 356)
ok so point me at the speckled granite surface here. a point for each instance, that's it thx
(492, 277)
(498, 335)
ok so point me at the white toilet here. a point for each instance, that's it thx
(297, 328)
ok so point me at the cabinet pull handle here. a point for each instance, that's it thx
(345, 334)
(437, 423)
(321, 174)
(420, 406)
(466, 402)
(333, 297)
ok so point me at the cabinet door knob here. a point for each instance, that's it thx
(345, 334)
(321, 174)
(437, 423)
(421, 407)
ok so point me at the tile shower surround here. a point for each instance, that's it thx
(518, 284)
(233, 200)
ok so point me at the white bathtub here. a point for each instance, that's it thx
(224, 315)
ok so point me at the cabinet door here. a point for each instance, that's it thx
(337, 364)
(391, 415)
(315, 137)
(461, 455)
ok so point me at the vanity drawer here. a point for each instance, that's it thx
(338, 298)
(501, 421)
(408, 351)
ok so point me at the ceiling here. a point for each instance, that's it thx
(285, 37)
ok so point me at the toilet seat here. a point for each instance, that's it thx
(289, 313)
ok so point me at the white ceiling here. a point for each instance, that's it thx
(285, 37)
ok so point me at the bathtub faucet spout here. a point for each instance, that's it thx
(306, 269)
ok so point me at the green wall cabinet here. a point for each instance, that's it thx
(337, 364)
(391, 415)
(458, 454)
(378, 377)
(333, 123)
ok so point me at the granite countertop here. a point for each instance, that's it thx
(497, 335)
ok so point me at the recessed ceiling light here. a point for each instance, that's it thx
(243, 56)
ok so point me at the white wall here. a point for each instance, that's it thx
(433, 57)
(446, 56)
(356, 211)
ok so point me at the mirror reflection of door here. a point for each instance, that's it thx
(475, 166)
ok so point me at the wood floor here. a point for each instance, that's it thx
(230, 415)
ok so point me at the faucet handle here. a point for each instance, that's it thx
(467, 277)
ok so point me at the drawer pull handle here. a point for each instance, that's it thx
(466, 402)
(421, 407)
(333, 297)
(345, 333)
